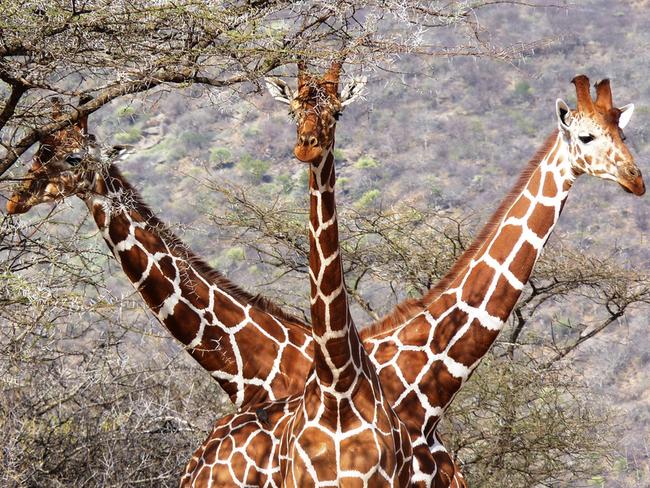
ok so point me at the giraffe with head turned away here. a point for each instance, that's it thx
(217, 322)
(434, 344)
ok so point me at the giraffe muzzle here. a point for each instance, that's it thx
(631, 179)
(308, 153)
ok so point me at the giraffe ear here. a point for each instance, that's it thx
(626, 115)
(353, 90)
(563, 114)
(279, 90)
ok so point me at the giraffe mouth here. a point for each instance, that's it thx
(308, 154)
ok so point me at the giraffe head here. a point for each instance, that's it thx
(315, 107)
(60, 167)
(594, 133)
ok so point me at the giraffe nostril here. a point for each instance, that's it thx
(633, 171)
(313, 142)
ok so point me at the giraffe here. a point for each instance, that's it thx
(250, 439)
(216, 321)
(341, 430)
(311, 121)
(434, 344)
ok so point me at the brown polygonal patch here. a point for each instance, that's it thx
(263, 349)
(210, 453)
(238, 465)
(339, 312)
(550, 187)
(439, 385)
(473, 344)
(320, 449)
(327, 207)
(359, 453)
(411, 412)
(503, 299)
(230, 315)
(503, 243)
(204, 475)
(259, 447)
(225, 448)
(446, 329)
(385, 352)
(477, 284)
(150, 240)
(339, 352)
(134, 262)
(523, 263)
(166, 265)
(118, 230)
(541, 220)
(312, 400)
(533, 184)
(441, 305)
(183, 323)
(349, 420)
(195, 289)
(417, 332)
(155, 289)
(411, 363)
(519, 208)
(318, 317)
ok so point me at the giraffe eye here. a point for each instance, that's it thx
(336, 115)
(586, 139)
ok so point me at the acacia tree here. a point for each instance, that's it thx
(100, 50)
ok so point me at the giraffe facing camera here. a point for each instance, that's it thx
(315, 107)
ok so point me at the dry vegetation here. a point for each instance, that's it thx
(93, 392)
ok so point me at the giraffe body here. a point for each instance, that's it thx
(437, 346)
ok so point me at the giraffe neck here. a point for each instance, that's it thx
(334, 333)
(472, 311)
(208, 314)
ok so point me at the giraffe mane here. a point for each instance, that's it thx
(204, 269)
(406, 310)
